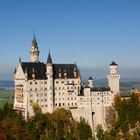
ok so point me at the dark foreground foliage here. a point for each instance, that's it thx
(59, 125)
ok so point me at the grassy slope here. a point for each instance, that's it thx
(6, 96)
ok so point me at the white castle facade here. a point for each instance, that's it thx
(53, 86)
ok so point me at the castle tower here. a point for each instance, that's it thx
(34, 51)
(114, 78)
(90, 82)
(50, 86)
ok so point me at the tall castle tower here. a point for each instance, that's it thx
(34, 51)
(114, 78)
(49, 74)
(90, 82)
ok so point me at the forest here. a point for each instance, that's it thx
(122, 123)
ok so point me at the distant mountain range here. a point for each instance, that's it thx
(125, 83)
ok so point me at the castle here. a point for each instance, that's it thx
(54, 86)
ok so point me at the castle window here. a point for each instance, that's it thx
(55, 104)
(36, 83)
(46, 105)
(57, 82)
(31, 101)
(36, 89)
(30, 83)
(63, 104)
(68, 99)
(55, 99)
(30, 89)
(45, 88)
(75, 103)
(45, 100)
(37, 95)
(68, 104)
(72, 104)
(45, 82)
(59, 104)
(62, 82)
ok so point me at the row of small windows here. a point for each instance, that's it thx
(69, 93)
(41, 100)
(57, 82)
(39, 89)
(63, 104)
(67, 99)
(37, 83)
(100, 93)
(59, 88)
(31, 95)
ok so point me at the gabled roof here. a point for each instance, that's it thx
(113, 64)
(69, 69)
(39, 69)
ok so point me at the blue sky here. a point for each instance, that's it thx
(91, 33)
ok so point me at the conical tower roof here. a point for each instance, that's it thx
(34, 42)
(113, 64)
(49, 60)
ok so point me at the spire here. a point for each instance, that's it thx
(113, 64)
(19, 59)
(49, 60)
(34, 51)
(90, 78)
(34, 42)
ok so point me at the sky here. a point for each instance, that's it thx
(90, 33)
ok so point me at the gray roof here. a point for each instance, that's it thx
(34, 42)
(101, 89)
(113, 64)
(90, 78)
(39, 69)
(49, 60)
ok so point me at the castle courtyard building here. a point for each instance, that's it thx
(53, 86)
